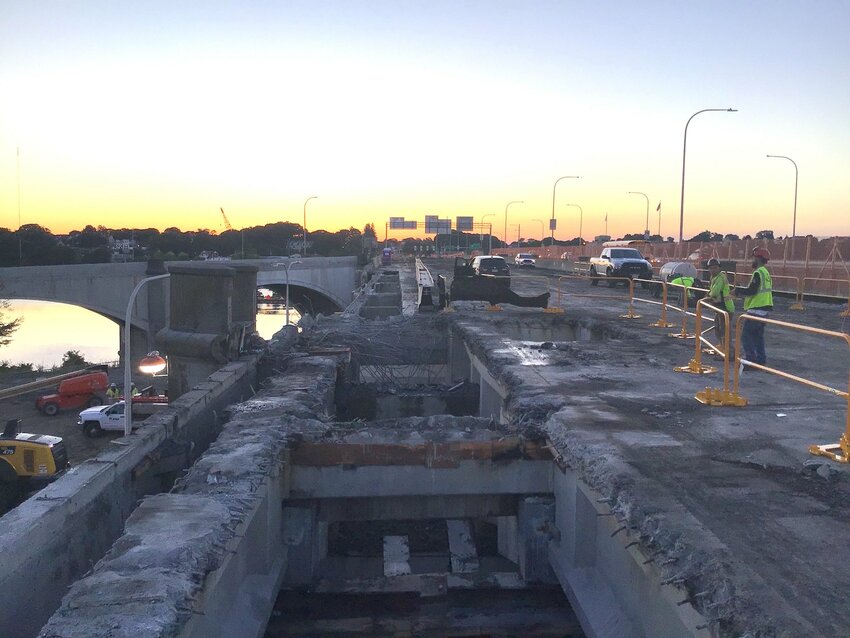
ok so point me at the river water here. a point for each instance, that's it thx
(50, 329)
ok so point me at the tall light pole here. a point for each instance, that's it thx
(128, 381)
(490, 235)
(647, 209)
(552, 223)
(580, 220)
(796, 178)
(684, 152)
(516, 201)
(304, 251)
(286, 265)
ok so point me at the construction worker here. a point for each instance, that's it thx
(681, 280)
(758, 301)
(720, 295)
(112, 393)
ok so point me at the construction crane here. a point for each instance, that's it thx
(226, 221)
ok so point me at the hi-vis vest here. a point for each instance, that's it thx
(764, 297)
(720, 288)
(687, 282)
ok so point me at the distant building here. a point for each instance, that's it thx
(122, 249)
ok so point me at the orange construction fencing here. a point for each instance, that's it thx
(846, 311)
(662, 322)
(837, 451)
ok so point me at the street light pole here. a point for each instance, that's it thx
(304, 247)
(684, 152)
(516, 201)
(796, 178)
(286, 265)
(580, 220)
(552, 223)
(128, 381)
(647, 208)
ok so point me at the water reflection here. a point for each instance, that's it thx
(50, 329)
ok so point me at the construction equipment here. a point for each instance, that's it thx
(90, 390)
(226, 221)
(28, 462)
(82, 390)
(468, 286)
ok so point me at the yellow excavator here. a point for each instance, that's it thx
(27, 462)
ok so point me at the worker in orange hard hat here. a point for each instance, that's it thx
(758, 301)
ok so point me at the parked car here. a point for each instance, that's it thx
(525, 260)
(492, 266)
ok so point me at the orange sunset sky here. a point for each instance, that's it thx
(158, 113)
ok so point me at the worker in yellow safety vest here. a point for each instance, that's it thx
(720, 295)
(758, 301)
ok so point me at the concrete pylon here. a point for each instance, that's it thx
(202, 334)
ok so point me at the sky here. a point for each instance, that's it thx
(156, 114)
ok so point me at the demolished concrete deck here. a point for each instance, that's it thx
(722, 508)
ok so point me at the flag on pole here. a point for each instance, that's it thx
(659, 207)
(606, 216)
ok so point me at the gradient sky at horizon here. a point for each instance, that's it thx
(158, 113)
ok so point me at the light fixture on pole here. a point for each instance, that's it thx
(796, 178)
(580, 220)
(490, 235)
(286, 265)
(128, 380)
(552, 222)
(646, 231)
(516, 201)
(154, 364)
(684, 153)
(304, 247)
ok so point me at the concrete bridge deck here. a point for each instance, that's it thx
(659, 516)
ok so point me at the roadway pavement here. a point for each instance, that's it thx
(727, 502)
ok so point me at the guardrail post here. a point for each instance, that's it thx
(631, 313)
(683, 334)
(723, 397)
(695, 365)
(798, 302)
(663, 323)
(556, 309)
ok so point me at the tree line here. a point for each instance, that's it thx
(35, 245)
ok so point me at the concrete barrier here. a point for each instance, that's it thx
(55, 537)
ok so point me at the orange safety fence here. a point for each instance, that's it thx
(837, 451)
(846, 311)
(631, 311)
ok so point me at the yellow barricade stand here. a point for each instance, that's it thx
(661, 323)
(631, 314)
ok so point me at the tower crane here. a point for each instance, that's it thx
(226, 221)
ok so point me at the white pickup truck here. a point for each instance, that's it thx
(619, 262)
(99, 419)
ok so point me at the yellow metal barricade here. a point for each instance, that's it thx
(846, 311)
(796, 287)
(837, 451)
(661, 323)
(695, 365)
(631, 314)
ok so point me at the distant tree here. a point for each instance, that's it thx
(670, 240)
(746, 238)
(764, 234)
(73, 359)
(100, 255)
(731, 237)
(369, 231)
(7, 327)
(707, 235)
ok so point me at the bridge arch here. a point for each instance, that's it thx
(311, 296)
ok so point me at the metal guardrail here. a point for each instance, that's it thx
(631, 314)
(837, 451)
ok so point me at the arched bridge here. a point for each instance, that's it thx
(325, 282)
